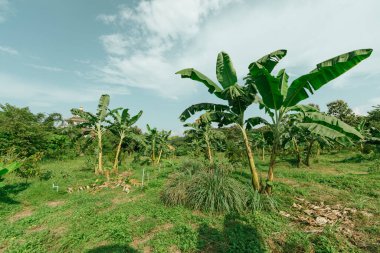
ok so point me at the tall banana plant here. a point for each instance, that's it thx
(237, 97)
(121, 126)
(157, 141)
(304, 128)
(96, 123)
(201, 130)
(278, 98)
(163, 138)
(151, 138)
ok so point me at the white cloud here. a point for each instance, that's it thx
(44, 95)
(163, 36)
(364, 108)
(8, 50)
(4, 9)
(107, 19)
(142, 56)
(47, 68)
(115, 44)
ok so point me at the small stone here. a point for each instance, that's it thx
(321, 221)
(285, 214)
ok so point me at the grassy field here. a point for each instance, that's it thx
(331, 207)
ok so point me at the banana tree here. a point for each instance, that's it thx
(121, 126)
(201, 130)
(278, 98)
(259, 142)
(96, 123)
(157, 141)
(301, 131)
(162, 144)
(151, 138)
(237, 97)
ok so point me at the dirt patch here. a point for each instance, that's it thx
(174, 249)
(35, 229)
(359, 173)
(137, 219)
(147, 249)
(20, 215)
(55, 203)
(59, 230)
(139, 241)
(198, 213)
(288, 181)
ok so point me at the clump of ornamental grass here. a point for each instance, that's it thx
(260, 202)
(216, 191)
(210, 188)
(176, 190)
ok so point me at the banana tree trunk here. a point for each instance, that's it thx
(209, 153)
(272, 163)
(308, 154)
(100, 151)
(255, 176)
(107, 172)
(116, 162)
(298, 153)
(159, 157)
(153, 150)
(263, 153)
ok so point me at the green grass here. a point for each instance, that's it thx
(35, 218)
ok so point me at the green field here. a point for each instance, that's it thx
(37, 218)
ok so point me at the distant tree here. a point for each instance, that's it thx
(22, 130)
(340, 110)
(374, 117)
(315, 106)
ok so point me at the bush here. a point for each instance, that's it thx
(259, 202)
(208, 188)
(30, 167)
(176, 190)
(216, 192)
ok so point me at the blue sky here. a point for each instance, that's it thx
(56, 55)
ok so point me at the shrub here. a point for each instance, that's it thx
(30, 167)
(216, 192)
(204, 187)
(259, 202)
(176, 189)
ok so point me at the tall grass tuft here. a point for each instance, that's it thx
(210, 188)
(176, 190)
(216, 192)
